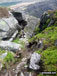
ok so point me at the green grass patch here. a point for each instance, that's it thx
(16, 40)
(8, 60)
(49, 57)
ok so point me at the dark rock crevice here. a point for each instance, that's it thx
(20, 19)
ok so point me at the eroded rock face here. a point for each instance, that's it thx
(34, 61)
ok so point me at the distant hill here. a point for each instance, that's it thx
(38, 8)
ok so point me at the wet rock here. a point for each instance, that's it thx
(11, 46)
(34, 61)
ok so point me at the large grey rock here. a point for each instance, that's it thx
(34, 61)
(8, 26)
(11, 46)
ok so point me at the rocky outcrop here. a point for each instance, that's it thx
(7, 27)
(10, 22)
(34, 61)
(11, 46)
(43, 20)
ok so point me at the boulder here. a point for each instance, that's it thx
(34, 61)
(11, 46)
(8, 26)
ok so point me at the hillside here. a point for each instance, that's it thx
(28, 46)
(48, 36)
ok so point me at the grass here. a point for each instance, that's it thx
(8, 60)
(16, 40)
(49, 35)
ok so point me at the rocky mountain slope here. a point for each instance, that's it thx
(34, 55)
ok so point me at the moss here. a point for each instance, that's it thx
(16, 40)
(9, 58)
(46, 75)
(49, 35)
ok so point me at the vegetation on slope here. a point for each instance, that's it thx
(49, 50)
